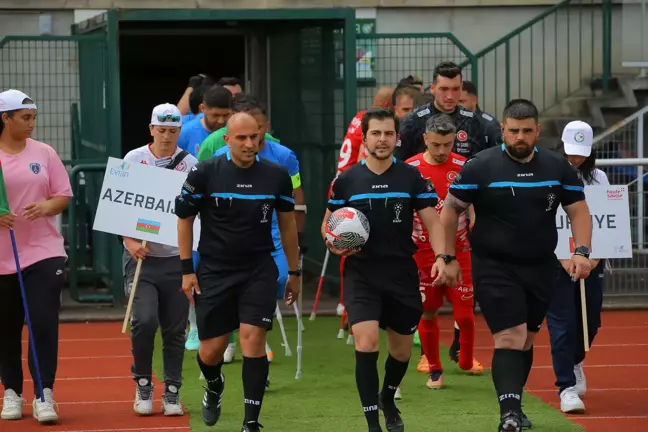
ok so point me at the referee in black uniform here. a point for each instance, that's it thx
(471, 136)
(235, 195)
(381, 281)
(516, 191)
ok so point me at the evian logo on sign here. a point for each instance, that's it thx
(615, 194)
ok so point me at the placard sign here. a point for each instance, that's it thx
(138, 200)
(609, 207)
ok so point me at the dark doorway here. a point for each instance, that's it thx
(155, 68)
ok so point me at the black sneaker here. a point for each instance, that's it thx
(251, 427)
(211, 404)
(526, 423)
(393, 420)
(510, 422)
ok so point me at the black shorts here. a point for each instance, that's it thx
(386, 292)
(234, 295)
(512, 294)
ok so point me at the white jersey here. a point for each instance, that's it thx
(145, 156)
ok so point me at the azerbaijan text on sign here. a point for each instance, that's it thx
(609, 207)
(138, 200)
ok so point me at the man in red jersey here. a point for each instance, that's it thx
(441, 166)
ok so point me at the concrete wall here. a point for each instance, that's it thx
(45, 70)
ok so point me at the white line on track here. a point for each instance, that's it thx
(589, 390)
(176, 428)
(91, 357)
(619, 345)
(91, 378)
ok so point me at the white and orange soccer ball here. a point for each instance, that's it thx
(347, 228)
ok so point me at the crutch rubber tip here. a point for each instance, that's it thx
(350, 340)
(340, 334)
(340, 309)
(312, 317)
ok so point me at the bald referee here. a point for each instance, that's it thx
(235, 195)
(516, 190)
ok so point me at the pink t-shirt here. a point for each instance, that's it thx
(34, 175)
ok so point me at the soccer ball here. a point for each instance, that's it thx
(347, 228)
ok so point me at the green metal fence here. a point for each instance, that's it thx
(401, 54)
(66, 76)
(548, 58)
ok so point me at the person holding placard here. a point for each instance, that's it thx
(37, 190)
(564, 316)
(158, 298)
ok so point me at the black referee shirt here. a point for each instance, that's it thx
(491, 126)
(388, 200)
(515, 203)
(235, 206)
(472, 137)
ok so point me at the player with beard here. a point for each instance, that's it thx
(381, 280)
(446, 87)
(440, 166)
(516, 190)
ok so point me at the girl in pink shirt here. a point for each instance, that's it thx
(38, 189)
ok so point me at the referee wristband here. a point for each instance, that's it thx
(187, 266)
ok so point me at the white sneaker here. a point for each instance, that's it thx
(171, 402)
(230, 353)
(143, 405)
(570, 402)
(12, 405)
(398, 395)
(581, 381)
(45, 412)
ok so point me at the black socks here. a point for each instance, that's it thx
(366, 373)
(255, 373)
(394, 372)
(212, 375)
(509, 372)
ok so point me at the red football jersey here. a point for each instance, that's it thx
(441, 176)
(351, 144)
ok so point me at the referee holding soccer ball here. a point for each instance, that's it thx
(381, 280)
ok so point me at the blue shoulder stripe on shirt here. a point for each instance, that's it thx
(504, 184)
(336, 202)
(184, 192)
(427, 195)
(379, 195)
(464, 186)
(227, 195)
(285, 198)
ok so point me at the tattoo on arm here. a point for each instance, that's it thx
(454, 202)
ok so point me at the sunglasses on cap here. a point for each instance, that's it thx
(163, 118)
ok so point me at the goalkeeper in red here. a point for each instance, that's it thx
(440, 165)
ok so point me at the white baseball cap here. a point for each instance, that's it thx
(578, 138)
(166, 115)
(12, 100)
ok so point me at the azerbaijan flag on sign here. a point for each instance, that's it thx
(4, 201)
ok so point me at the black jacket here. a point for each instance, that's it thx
(472, 134)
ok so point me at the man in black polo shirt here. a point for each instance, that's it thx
(381, 281)
(516, 191)
(235, 195)
(471, 136)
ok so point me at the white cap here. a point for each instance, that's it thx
(578, 138)
(166, 115)
(12, 100)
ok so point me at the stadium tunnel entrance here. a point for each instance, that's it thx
(300, 62)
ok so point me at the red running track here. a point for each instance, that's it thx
(94, 390)
(616, 368)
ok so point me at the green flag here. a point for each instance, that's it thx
(4, 201)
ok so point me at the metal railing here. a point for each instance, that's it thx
(398, 55)
(77, 231)
(548, 58)
(620, 153)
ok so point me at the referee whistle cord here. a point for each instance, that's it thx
(512, 191)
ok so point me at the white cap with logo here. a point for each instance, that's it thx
(12, 100)
(166, 115)
(578, 138)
